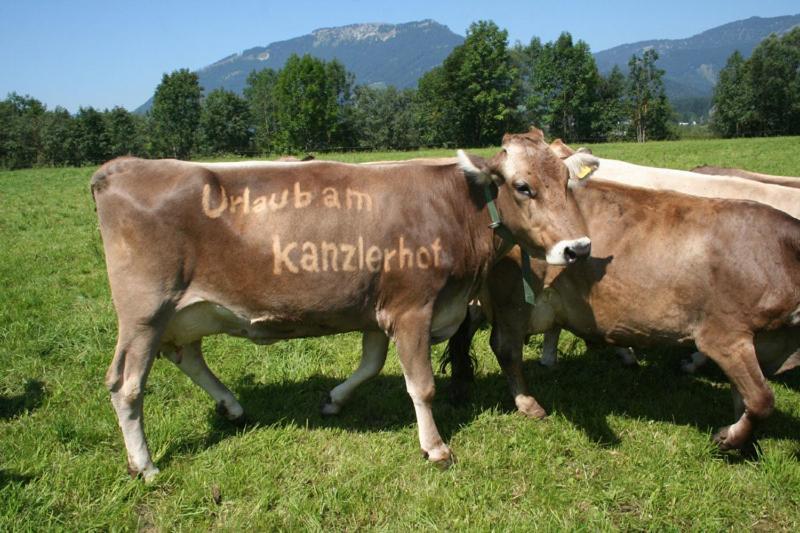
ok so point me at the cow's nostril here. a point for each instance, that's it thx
(577, 250)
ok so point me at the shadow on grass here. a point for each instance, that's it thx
(585, 390)
(30, 399)
(588, 389)
(9, 478)
(380, 404)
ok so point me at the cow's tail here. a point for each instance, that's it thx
(97, 183)
(101, 179)
(459, 358)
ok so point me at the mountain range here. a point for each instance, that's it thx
(692, 65)
(377, 54)
(398, 54)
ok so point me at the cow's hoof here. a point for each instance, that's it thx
(727, 438)
(148, 474)
(529, 407)
(329, 407)
(442, 458)
(233, 414)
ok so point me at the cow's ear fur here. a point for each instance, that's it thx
(581, 165)
(477, 169)
(562, 150)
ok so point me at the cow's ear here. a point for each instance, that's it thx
(477, 169)
(581, 165)
(562, 150)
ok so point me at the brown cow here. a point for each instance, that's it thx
(742, 185)
(666, 268)
(273, 251)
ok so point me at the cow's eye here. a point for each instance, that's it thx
(523, 188)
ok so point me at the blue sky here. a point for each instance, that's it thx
(108, 52)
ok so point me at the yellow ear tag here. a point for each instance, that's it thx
(584, 173)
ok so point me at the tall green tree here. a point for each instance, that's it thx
(261, 100)
(20, 131)
(734, 106)
(59, 146)
(484, 71)
(611, 111)
(564, 88)
(649, 107)
(91, 139)
(774, 70)
(525, 58)
(472, 99)
(176, 113)
(123, 133)
(224, 124)
(760, 95)
(435, 114)
(312, 99)
(383, 118)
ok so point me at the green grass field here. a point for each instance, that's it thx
(622, 449)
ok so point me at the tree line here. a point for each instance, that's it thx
(483, 89)
(761, 95)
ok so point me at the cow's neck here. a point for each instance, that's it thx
(610, 204)
(473, 222)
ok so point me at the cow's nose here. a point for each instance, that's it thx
(577, 249)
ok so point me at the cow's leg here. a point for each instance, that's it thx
(189, 359)
(374, 345)
(697, 360)
(550, 347)
(507, 347)
(458, 356)
(136, 349)
(737, 358)
(412, 335)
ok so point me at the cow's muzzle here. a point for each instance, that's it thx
(567, 252)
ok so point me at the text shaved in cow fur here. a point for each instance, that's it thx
(325, 256)
(246, 203)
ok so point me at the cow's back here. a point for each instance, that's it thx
(708, 186)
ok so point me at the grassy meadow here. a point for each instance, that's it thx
(621, 449)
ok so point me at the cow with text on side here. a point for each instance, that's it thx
(665, 268)
(272, 251)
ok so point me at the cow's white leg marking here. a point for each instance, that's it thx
(696, 360)
(189, 359)
(126, 378)
(412, 336)
(374, 345)
(550, 347)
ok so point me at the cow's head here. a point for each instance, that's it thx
(533, 197)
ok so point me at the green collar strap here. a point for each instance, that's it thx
(508, 242)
